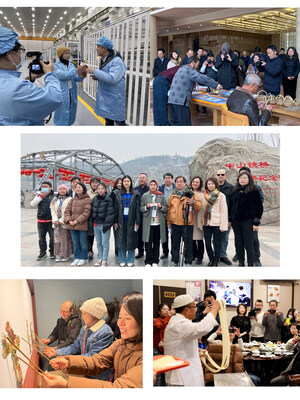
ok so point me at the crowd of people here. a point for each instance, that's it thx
(244, 74)
(22, 102)
(107, 349)
(181, 329)
(145, 216)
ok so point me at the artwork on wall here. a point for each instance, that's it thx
(274, 292)
(9, 349)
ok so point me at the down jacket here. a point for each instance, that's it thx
(227, 70)
(175, 209)
(219, 212)
(79, 209)
(242, 102)
(243, 206)
(125, 357)
(103, 211)
(54, 208)
(235, 362)
(42, 202)
(134, 217)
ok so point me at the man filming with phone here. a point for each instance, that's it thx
(21, 101)
(273, 321)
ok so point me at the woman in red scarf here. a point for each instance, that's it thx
(215, 219)
(154, 210)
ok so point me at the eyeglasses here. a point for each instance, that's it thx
(220, 174)
(191, 307)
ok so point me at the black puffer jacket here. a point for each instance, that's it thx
(103, 211)
(245, 205)
(241, 102)
(66, 331)
(290, 67)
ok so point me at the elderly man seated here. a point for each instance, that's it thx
(241, 101)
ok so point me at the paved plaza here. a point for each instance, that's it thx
(268, 237)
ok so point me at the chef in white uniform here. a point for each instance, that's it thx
(181, 340)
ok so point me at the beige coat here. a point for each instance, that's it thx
(198, 228)
(219, 213)
(125, 357)
(54, 207)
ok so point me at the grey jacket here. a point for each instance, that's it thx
(183, 83)
(273, 324)
(147, 213)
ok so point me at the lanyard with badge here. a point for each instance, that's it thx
(154, 207)
(126, 202)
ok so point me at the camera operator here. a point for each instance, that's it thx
(182, 204)
(256, 316)
(273, 321)
(227, 64)
(254, 66)
(294, 366)
(21, 101)
(208, 68)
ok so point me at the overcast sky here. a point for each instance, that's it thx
(123, 147)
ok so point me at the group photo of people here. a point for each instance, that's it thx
(200, 341)
(234, 68)
(78, 334)
(147, 220)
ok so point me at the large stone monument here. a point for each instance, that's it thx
(263, 160)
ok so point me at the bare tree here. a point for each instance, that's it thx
(275, 138)
(256, 137)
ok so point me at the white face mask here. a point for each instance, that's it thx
(12, 61)
(290, 316)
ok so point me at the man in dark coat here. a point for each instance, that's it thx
(66, 330)
(189, 53)
(273, 71)
(241, 101)
(245, 58)
(160, 63)
(44, 219)
(141, 188)
(227, 64)
(166, 189)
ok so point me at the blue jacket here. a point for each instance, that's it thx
(110, 101)
(272, 77)
(65, 114)
(24, 103)
(98, 338)
(183, 83)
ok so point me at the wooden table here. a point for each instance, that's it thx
(205, 102)
(282, 111)
(234, 379)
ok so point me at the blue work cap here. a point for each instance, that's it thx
(105, 42)
(8, 39)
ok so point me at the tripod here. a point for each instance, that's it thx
(185, 213)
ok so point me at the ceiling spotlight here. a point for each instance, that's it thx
(49, 11)
(65, 12)
(61, 18)
(78, 14)
(6, 18)
(48, 16)
(33, 15)
(32, 8)
(17, 14)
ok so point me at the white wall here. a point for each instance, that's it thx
(16, 307)
(49, 295)
(36, 45)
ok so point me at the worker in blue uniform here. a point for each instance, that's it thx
(110, 100)
(21, 101)
(68, 76)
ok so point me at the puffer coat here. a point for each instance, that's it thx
(103, 211)
(79, 209)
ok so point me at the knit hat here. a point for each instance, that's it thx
(105, 42)
(95, 307)
(226, 46)
(63, 187)
(182, 300)
(60, 51)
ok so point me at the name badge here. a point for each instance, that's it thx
(126, 210)
(70, 84)
(154, 212)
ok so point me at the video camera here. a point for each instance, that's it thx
(209, 62)
(35, 67)
(189, 194)
(260, 60)
(252, 313)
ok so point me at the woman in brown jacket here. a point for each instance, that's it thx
(76, 217)
(125, 356)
